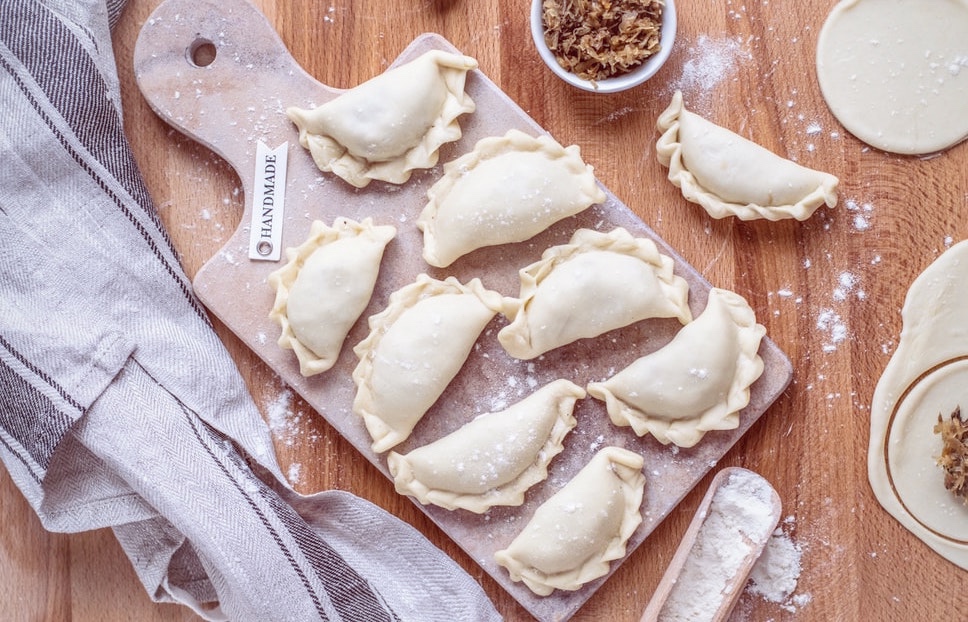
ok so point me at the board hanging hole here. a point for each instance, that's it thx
(202, 52)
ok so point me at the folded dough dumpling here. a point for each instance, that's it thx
(415, 348)
(493, 459)
(697, 382)
(325, 286)
(574, 535)
(391, 124)
(508, 189)
(596, 283)
(729, 175)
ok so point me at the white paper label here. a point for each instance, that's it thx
(268, 202)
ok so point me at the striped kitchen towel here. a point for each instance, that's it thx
(119, 406)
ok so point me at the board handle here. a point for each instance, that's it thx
(217, 72)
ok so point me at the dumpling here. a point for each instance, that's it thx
(325, 286)
(574, 535)
(697, 382)
(729, 175)
(391, 124)
(596, 283)
(508, 189)
(493, 459)
(415, 348)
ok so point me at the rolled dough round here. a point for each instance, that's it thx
(895, 72)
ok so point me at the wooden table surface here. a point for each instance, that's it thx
(829, 291)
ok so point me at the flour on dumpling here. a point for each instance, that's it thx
(390, 125)
(508, 189)
(494, 458)
(325, 286)
(574, 535)
(697, 382)
(596, 283)
(415, 348)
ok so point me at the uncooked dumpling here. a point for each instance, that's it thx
(391, 124)
(596, 283)
(574, 535)
(325, 286)
(729, 175)
(697, 382)
(495, 458)
(508, 189)
(415, 348)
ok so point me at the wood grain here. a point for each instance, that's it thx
(746, 66)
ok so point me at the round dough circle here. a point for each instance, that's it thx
(912, 448)
(895, 72)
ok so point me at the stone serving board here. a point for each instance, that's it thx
(238, 99)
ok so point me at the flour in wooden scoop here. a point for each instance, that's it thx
(738, 523)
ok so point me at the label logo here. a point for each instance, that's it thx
(268, 202)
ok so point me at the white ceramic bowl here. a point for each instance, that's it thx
(610, 85)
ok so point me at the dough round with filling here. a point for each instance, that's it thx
(912, 450)
(574, 535)
(697, 382)
(895, 72)
(324, 288)
(927, 376)
(729, 175)
(389, 125)
(596, 283)
(415, 348)
(493, 459)
(508, 189)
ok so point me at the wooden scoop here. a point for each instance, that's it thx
(714, 513)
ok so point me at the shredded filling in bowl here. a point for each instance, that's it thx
(600, 39)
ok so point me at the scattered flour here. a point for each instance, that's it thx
(774, 576)
(284, 422)
(710, 60)
(597, 443)
(294, 473)
(616, 115)
(861, 223)
(846, 289)
(847, 284)
(861, 214)
(830, 322)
